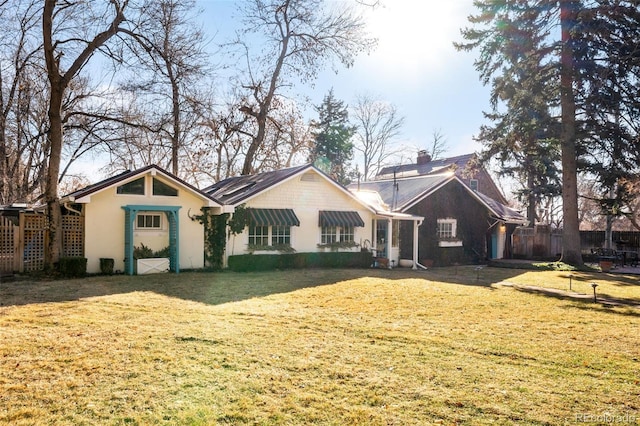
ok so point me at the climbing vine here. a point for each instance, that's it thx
(215, 235)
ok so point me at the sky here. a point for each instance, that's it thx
(414, 67)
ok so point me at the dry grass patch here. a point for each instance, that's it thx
(303, 347)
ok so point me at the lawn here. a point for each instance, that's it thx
(333, 347)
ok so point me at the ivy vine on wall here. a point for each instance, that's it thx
(215, 235)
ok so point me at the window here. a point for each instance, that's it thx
(259, 235)
(280, 235)
(334, 234)
(328, 234)
(347, 234)
(135, 187)
(446, 229)
(161, 188)
(473, 184)
(149, 221)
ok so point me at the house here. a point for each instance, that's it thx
(303, 209)
(460, 225)
(147, 206)
(465, 167)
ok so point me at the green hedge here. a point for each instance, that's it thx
(72, 267)
(266, 262)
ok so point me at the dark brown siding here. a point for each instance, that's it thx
(473, 221)
(486, 185)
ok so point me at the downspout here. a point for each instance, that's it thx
(71, 209)
(416, 264)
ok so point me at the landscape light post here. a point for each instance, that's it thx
(594, 285)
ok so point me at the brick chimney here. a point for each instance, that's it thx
(423, 157)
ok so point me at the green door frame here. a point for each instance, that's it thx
(130, 213)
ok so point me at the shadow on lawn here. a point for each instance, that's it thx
(223, 287)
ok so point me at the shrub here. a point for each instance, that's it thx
(72, 267)
(106, 266)
(266, 262)
(144, 252)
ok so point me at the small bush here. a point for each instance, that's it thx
(106, 266)
(266, 262)
(144, 252)
(72, 267)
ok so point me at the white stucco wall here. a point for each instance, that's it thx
(104, 226)
(306, 194)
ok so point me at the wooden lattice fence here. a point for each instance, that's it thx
(72, 236)
(34, 240)
(9, 245)
(23, 241)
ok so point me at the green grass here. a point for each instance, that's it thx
(445, 346)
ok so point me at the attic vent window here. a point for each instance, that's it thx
(135, 187)
(309, 177)
(473, 184)
(161, 188)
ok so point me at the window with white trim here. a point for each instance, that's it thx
(149, 221)
(347, 234)
(162, 189)
(280, 235)
(447, 229)
(328, 234)
(135, 187)
(258, 235)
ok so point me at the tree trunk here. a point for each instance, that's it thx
(175, 138)
(571, 252)
(59, 83)
(4, 160)
(52, 254)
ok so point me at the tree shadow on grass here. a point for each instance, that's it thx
(214, 288)
(603, 301)
(222, 287)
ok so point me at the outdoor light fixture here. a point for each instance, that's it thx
(570, 278)
(594, 285)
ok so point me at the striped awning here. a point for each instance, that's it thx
(270, 217)
(339, 218)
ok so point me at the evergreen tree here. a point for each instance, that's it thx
(589, 73)
(333, 148)
(525, 137)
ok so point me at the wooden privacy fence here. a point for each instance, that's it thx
(540, 242)
(23, 241)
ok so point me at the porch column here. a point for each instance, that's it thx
(374, 238)
(416, 224)
(389, 240)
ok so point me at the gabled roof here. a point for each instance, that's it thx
(438, 166)
(239, 189)
(81, 195)
(402, 194)
(502, 212)
(409, 190)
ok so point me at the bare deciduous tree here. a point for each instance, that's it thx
(439, 145)
(67, 49)
(169, 62)
(377, 125)
(298, 38)
(22, 121)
